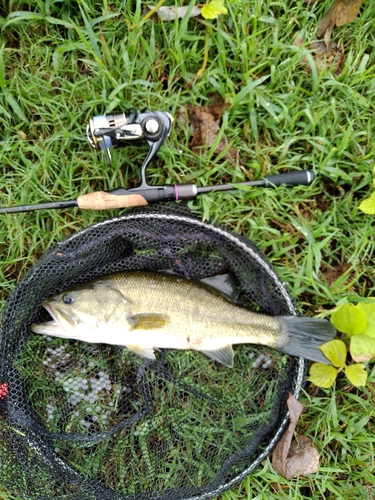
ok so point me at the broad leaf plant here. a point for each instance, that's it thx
(358, 323)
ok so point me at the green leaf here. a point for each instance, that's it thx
(14, 105)
(213, 9)
(322, 375)
(368, 205)
(335, 351)
(22, 16)
(91, 34)
(369, 310)
(356, 374)
(2, 68)
(247, 89)
(362, 347)
(349, 319)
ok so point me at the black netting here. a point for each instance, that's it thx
(85, 421)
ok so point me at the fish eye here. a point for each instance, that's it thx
(68, 299)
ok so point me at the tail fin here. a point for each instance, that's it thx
(306, 335)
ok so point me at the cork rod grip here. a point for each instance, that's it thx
(101, 200)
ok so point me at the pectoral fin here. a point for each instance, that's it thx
(141, 350)
(148, 321)
(224, 355)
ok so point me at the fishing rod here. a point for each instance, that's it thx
(121, 129)
(125, 198)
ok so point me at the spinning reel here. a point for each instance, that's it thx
(121, 129)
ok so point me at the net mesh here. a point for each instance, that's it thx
(93, 421)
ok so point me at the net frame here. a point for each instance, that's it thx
(161, 216)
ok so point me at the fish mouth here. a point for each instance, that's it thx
(59, 316)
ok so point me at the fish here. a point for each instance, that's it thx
(146, 310)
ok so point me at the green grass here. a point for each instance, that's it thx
(62, 62)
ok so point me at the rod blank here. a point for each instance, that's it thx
(39, 206)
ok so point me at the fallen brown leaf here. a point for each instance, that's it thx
(326, 55)
(294, 457)
(205, 124)
(303, 457)
(340, 13)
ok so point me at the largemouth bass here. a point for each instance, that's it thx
(147, 310)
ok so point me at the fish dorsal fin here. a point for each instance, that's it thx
(224, 355)
(144, 351)
(148, 321)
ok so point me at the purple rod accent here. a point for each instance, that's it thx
(176, 192)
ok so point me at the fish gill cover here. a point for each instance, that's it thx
(93, 421)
